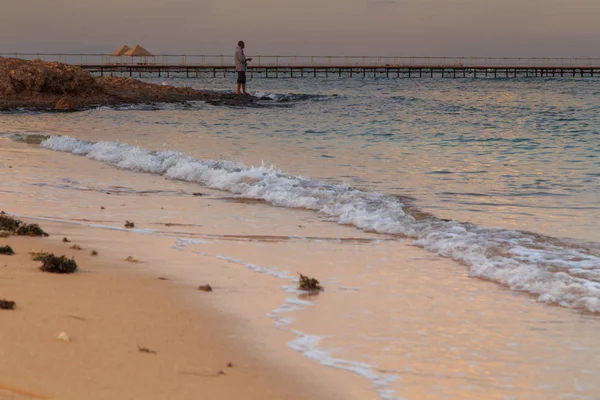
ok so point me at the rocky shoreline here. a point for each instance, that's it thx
(52, 86)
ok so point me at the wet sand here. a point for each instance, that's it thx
(109, 314)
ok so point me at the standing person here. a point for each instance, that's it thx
(240, 67)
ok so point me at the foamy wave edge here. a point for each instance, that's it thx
(552, 271)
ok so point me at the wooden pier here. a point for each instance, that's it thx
(198, 71)
(198, 66)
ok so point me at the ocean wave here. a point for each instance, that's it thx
(290, 97)
(555, 271)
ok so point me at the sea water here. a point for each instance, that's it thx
(467, 191)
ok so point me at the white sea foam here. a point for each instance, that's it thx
(263, 270)
(309, 346)
(554, 271)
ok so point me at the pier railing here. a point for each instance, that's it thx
(313, 61)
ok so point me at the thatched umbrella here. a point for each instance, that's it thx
(138, 51)
(122, 50)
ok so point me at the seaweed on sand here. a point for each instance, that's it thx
(8, 223)
(146, 350)
(30, 230)
(129, 224)
(54, 264)
(18, 227)
(309, 284)
(7, 304)
(7, 250)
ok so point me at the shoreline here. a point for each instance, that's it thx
(111, 315)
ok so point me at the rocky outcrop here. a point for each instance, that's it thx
(20, 77)
(40, 85)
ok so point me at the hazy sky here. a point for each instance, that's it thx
(306, 27)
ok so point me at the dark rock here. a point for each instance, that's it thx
(205, 288)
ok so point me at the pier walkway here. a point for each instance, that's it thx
(196, 66)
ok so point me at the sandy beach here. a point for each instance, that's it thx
(109, 315)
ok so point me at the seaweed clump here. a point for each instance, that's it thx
(30, 230)
(54, 264)
(7, 304)
(205, 288)
(146, 350)
(129, 224)
(309, 284)
(7, 250)
(18, 227)
(8, 223)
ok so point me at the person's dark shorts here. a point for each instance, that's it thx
(241, 77)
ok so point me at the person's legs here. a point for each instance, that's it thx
(241, 83)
